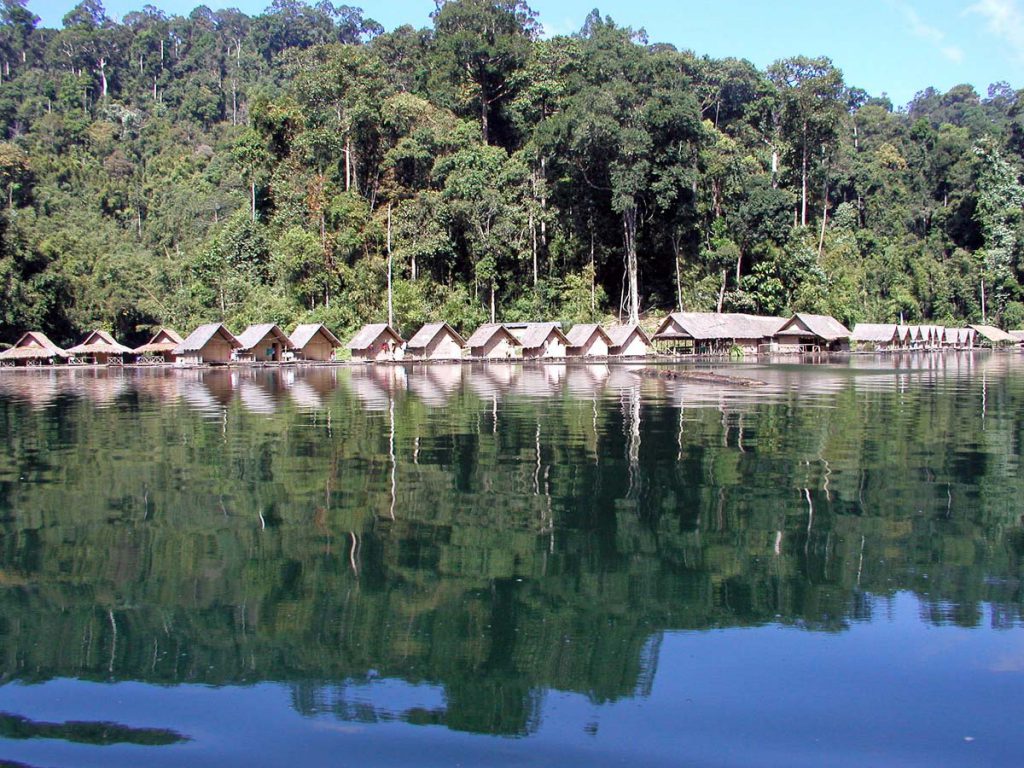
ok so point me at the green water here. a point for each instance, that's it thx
(516, 565)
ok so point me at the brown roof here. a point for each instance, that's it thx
(581, 333)
(99, 342)
(707, 326)
(31, 345)
(303, 334)
(533, 335)
(484, 333)
(203, 335)
(881, 332)
(428, 332)
(164, 340)
(823, 326)
(368, 333)
(619, 334)
(254, 334)
(992, 333)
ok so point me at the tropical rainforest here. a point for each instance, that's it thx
(295, 165)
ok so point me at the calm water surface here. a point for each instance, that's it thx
(514, 565)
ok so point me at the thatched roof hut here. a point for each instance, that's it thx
(540, 339)
(210, 343)
(100, 346)
(436, 341)
(878, 335)
(629, 340)
(313, 341)
(588, 340)
(714, 331)
(494, 341)
(263, 343)
(1017, 334)
(32, 348)
(377, 341)
(161, 345)
(993, 335)
(961, 338)
(819, 331)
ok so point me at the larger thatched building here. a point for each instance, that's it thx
(212, 343)
(804, 332)
(881, 337)
(716, 333)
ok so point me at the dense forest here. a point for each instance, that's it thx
(170, 169)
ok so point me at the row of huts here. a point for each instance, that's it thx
(679, 333)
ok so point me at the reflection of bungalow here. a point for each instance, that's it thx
(435, 384)
(263, 343)
(312, 341)
(101, 347)
(876, 336)
(160, 347)
(376, 342)
(33, 348)
(540, 340)
(588, 340)
(436, 341)
(715, 332)
(493, 341)
(210, 343)
(992, 336)
(812, 332)
(629, 340)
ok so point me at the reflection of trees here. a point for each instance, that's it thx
(495, 550)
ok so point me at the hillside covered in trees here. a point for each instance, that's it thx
(170, 169)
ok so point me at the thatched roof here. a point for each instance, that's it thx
(962, 335)
(303, 334)
(876, 332)
(619, 334)
(369, 333)
(709, 326)
(33, 345)
(164, 340)
(824, 327)
(203, 335)
(1017, 334)
(533, 335)
(903, 331)
(99, 343)
(422, 338)
(483, 334)
(993, 334)
(581, 333)
(255, 334)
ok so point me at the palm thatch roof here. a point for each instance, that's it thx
(164, 341)
(962, 335)
(993, 334)
(711, 326)
(368, 333)
(99, 343)
(875, 332)
(1017, 334)
(533, 335)
(33, 345)
(824, 327)
(581, 333)
(303, 334)
(422, 338)
(619, 334)
(254, 334)
(485, 332)
(203, 335)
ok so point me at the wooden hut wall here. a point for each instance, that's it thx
(317, 348)
(634, 346)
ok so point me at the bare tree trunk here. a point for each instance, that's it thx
(824, 221)
(348, 164)
(721, 294)
(492, 300)
(533, 236)
(632, 276)
(391, 308)
(984, 314)
(484, 118)
(252, 199)
(593, 277)
(803, 184)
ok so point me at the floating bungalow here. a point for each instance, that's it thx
(961, 338)
(436, 341)
(160, 348)
(540, 340)
(493, 341)
(629, 340)
(312, 341)
(588, 340)
(263, 343)
(991, 336)
(101, 347)
(33, 348)
(717, 333)
(212, 343)
(881, 337)
(812, 333)
(376, 342)
(1018, 335)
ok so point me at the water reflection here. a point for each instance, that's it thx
(497, 532)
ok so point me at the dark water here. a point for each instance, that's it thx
(513, 565)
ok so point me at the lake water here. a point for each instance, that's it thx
(514, 565)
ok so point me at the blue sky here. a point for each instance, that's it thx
(894, 46)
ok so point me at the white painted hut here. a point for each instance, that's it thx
(101, 347)
(376, 342)
(716, 333)
(806, 332)
(313, 341)
(876, 336)
(494, 341)
(33, 348)
(588, 340)
(212, 343)
(540, 340)
(629, 340)
(436, 341)
(160, 348)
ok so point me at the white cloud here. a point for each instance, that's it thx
(932, 34)
(1005, 20)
